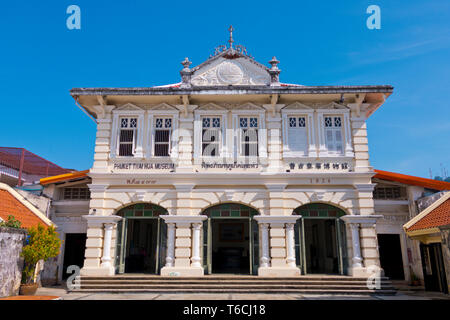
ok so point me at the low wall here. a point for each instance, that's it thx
(11, 264)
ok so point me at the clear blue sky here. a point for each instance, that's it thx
(141, 43)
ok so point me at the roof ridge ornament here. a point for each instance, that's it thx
(231, 52)
(186, 74)
(274, 72)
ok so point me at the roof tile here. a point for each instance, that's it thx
(439, 216)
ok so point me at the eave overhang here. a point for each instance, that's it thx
(232, 89)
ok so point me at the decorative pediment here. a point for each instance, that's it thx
(211, 106)
(164, 106)
(335, 105)
(248, 106)
(297, 106)
(128, 107)
(220, 71)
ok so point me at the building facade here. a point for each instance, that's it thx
(231, 171)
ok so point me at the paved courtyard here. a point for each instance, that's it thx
(401, 295)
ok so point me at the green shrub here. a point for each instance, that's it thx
(41, 244)
(12, 222)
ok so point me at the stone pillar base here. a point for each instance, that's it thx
(182, 272)
(278, 272)
(98, 271)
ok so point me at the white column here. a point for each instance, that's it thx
(323, 152)
(348, 136)
(290, 244)
(356, 245)
(196, 245)
(265, 258)
(170, 256)
(311, 136)
(106, 258)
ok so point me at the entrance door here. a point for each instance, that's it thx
(141, 253)
(320, 244)
(433, 267)
(141, 242)
(391, 256)
(230, 246)
(75, 246)
(321, 247)
(230, 240)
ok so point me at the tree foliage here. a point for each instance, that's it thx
(42, 244)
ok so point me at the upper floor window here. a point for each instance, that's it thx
(127, 136)
(390, 192)
(297, 135)
(76, 193)
(211, 136)
(333, 134)
(248, 136)
(163, 133)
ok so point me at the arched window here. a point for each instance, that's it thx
(230, 210)
(319, 210)
(142, 210)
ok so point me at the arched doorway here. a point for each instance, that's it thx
(141, 239)
(230, 239)
(320, 241)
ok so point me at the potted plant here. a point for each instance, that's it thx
(41, 244)
(415, 281)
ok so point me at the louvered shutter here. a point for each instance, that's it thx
(338, 140)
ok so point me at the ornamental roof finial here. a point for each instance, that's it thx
(230, 41)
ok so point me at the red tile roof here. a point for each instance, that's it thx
(439, 216)
(11, 205)
(412, 180)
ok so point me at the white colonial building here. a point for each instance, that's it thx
(231, 171)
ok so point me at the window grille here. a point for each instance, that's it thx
(163, 132)
(127, 136)
(211, 136)
(76, 193)
(249, 136)
(387, 193)
(333, 135)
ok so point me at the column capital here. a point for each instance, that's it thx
(197, 225)
(367, 187)
(361, 219)
(93, 220)
(290, 225)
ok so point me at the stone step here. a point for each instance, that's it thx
(221, 282)
(225, 286)
(156, 277)
(242, 290)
